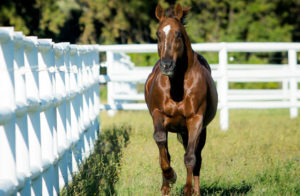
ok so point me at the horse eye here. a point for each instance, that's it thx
(178, 34)
(158, 34)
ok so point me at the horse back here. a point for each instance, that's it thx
(203, 62)
(212, 95)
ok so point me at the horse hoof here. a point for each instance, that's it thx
(196, 193)
(188, 190)
(165, 190)
(171, 180)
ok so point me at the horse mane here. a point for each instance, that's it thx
(203, 62)
(171, 14)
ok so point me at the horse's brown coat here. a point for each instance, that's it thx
(181, 97)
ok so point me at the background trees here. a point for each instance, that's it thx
(133, 21)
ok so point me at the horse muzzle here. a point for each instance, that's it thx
(167, 67)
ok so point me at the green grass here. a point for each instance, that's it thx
(258, 155)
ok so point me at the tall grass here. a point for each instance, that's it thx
(258, 155)
(99, 174)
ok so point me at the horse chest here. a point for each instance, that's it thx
(173, 109)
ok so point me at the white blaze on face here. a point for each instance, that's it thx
(166, 29)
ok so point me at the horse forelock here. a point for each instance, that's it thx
(170, 13)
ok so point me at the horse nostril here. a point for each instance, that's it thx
(166, 63)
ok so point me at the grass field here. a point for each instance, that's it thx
(258, 155)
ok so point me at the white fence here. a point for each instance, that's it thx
(49, 100)
(49, 96)
(122, 77)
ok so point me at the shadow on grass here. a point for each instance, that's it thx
(215, 189)
(99, 174)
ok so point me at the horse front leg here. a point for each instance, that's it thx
(161, 138)
(194, 125)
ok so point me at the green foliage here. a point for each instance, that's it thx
(124, 21)
(99, 173)
(144, 59)
(254, 85)
(42, 18)
(211, 57)
(114, 21)
(9, 16)
(238, 20)
(103, 93)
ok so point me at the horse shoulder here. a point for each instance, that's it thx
(195, 91)
(155, 90)
(149, 80)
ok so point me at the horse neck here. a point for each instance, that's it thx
(188, 51)
(184, 64)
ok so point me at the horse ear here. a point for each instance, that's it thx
(178, 11)
(159, 12)
(186, 11)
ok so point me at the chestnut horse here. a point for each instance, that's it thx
(181, 97)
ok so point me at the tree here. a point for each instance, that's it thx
(42, 18)
(239, 20)
(133, 21)
(116, 21)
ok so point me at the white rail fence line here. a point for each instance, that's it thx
(122, 77)
(49, 105)
(49, 100)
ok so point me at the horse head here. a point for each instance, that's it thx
(172, 37)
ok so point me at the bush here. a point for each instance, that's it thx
(99, 174)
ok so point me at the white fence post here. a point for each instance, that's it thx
(92, 82)
(8, 177)
(88, 58)
(85, 100)
(79, 99)
(110, 86)
(80, 88)
(292, 58)
(33, 120)
(48, 113)
(95, 90)
(223, 88)
(68, 154)
(61, 117)
(22, 142)
(74, 106)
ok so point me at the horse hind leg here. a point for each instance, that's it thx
(194, 126)
(183, 138)
(196, 171)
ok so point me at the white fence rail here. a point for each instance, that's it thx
(122, 77)
(49, 96)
